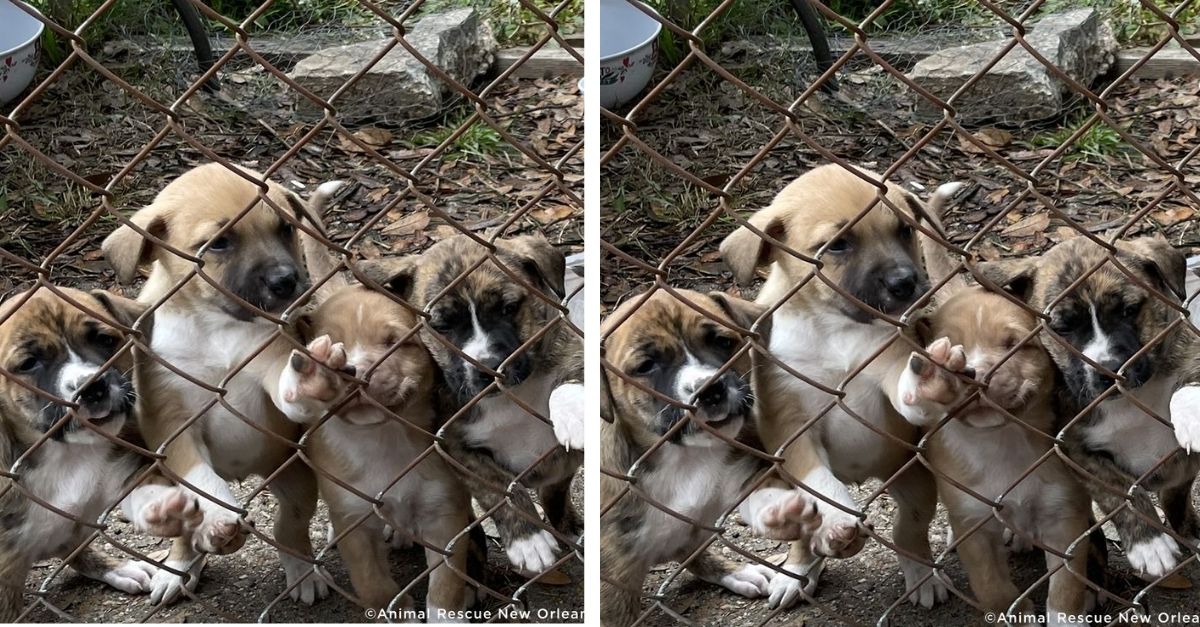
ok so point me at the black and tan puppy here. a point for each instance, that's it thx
(225, 260)
(79, 460)
(664, 345)
(499, 347)
(829, 328)
(1129, 362)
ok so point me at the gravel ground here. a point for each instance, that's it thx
(242, 586)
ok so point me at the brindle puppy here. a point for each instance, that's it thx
(1139, 356)
(477, 332)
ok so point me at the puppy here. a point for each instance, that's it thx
(671, 351)
(501, 351)
(376, 444)
(222, 260)
(79, 461)
(1128, 369)
(994, 437)
(871, 252)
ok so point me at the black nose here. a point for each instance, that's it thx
(712, 395)
(281, 280)
(95, 393)
(901, 282)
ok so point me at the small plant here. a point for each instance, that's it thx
(1097, 142)
(480, 140)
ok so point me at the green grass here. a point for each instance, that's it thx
(1132, 22)
(1098, 142)
(513, 23)
(479, 141)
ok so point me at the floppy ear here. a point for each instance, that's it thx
(1014, 275)
(542, 261)
(606, 399)
(742, 312)
(125, 310)
(397, 274)
(127, 250)
(1161, 261)
(744, 251)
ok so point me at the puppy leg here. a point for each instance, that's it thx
(985, 559)
(529, 547)
(622, 573)
(915, 493)
(560, 511)
(296, 490)
(749, 580)
(801, 571)
(131, 576)
(166, 586)
(14, 568)
(1181, 514)
(1068, 589)
(447, 589)
(365, 556)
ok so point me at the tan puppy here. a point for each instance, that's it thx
(212, 329)
(997, 433)
(662, 344)
(79, 461)
(373, 442)
(832, 340)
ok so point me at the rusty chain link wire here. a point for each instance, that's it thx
(645, 259)
(546, 200)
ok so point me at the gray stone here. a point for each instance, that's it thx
(1020, 88)
(399, 87)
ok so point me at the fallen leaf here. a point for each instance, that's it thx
(408, 225)
(991, 137)
(1031, 225)
(371, 136)
(1173, 216)
(546, 215)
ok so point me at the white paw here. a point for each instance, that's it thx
(751, 581)
(220, 533)
(838, 536)
(533, 553)
(567, 414)
(786, 591)
(312, 584)
(926, 594)
(169, 512)
(1153, 557)
(132, 576)
(927, 388)
(1185, 416)
(167, 587)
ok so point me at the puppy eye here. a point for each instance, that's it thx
(511, 308)
(644, 368)
(1065, 321)
(106, 340)
(390, 340)
(906, 231)
(1010, 343)
(839, 245)
(29, 364)
(286, 229)
(725, 342)
(220, 244)
(1131, 310)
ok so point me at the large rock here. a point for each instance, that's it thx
(399, 87)
(1020, 88)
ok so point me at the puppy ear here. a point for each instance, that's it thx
(1014, 275)
(744, 251)
(124, 310)
(1161, 261)
(397, 274)
(739, 311)
(606, 398)
(541, 261)
(127, 250)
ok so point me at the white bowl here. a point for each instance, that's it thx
(20, 34)
(628, 51)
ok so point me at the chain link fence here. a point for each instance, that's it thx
(1050, 222)
(493, 177)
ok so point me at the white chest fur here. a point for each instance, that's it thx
(1138, 440)
(516, 438)
(83, 480)
(209, 346)
(696, 481)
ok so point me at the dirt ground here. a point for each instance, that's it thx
(710, 128)
(90, 126)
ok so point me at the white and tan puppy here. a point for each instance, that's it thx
(829, 329)
(79, 461)
(995, 445)
(212, 326)
(665, 348)
(377, 446)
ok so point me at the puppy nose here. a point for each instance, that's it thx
(711, 396)
(281, 280)
(95, 393)
(901, 282)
